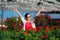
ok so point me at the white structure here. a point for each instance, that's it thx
(31, 5)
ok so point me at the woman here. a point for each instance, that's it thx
(28, 24)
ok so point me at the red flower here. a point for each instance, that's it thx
(36, 18)
(25, 33)
(12, 24)
(20, 26)
(44, 36)
(36, 24)
(6, 19)
(57, 26)
(41, 16)
(34, 29)
(47, 31)
(50, 20)
(52, 28)
(38, 30)
(40, 27)
(47, 26)
(48, 16)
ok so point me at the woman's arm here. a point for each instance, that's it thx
(19, 14)
(41, 8)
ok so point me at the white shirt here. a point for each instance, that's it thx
(24, 21)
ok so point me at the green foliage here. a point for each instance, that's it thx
(32, 35)
(13, 23)
(41, 33)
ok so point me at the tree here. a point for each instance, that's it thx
(58, 0)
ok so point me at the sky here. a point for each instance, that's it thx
(10, 13)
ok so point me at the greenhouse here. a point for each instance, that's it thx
(16, 16)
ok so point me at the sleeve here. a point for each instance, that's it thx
(22, 18)
(33, 24)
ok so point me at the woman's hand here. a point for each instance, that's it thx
(41, 8)
(15, 9)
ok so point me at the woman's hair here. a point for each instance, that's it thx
(26, 15)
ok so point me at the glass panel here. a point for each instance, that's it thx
(30, 0)
(9, 0)
(0, 0)
(53, 15)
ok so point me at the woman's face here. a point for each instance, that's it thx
(28, 17)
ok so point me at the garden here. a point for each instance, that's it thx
(45, 29)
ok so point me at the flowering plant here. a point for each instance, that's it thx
(14, 23)
(42, 31)
(42, 20)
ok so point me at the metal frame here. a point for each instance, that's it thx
(28, 6)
